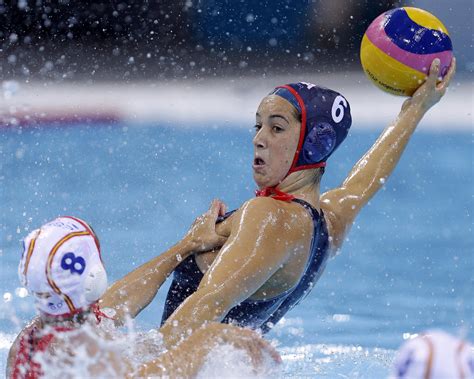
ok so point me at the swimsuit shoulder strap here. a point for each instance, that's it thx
(314, 213)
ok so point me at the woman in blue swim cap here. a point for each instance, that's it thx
(277, 244)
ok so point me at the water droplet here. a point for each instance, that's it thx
(21, 292)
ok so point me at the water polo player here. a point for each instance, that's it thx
(434, 354)
(62, 268)
(278, 243)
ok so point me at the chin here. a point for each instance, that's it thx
(263, 182)
(259, 181)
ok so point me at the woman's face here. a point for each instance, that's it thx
(275, 142)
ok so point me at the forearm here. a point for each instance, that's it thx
(194, 312)
(182, 360)
(132, 293)
(371, 171)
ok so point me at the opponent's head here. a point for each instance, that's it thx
(62, 267)
(324, 118)
(435, 355)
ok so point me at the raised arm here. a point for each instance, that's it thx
(342, 204)
(129, 295)
(263, 237)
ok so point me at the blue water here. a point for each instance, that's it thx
(406, 266)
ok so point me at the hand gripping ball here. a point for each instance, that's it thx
(398, 47)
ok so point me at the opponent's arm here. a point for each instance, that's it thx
(342, 204)
(132, 293)
(263, 237)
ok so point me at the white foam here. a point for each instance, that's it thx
(225, 361)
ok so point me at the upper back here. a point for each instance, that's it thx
(77, 353)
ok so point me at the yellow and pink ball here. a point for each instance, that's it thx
(398, 47)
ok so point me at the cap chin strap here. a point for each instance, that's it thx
(98, 313)
(291, 95)
(93, 307)
(304, 167)
(274, 194)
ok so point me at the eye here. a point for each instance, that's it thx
(257, 127)
(277, 129)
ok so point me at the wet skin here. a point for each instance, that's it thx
(271, 269)
(275, 141)
(265, 244)
(367, 176)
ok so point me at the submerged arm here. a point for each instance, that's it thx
(342, 204)
(131, 294)
(185, 359)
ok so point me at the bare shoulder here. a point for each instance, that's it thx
(282, 217)
(15, 347)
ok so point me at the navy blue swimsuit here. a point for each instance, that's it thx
(257, 314)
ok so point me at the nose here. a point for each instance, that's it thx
(260, 139)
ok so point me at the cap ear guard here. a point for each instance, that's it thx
(95, 284)
(319, 143)
(325, 122)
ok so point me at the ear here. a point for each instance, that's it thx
(319, 142)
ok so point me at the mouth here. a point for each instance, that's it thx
(258, 165)
(258, 162)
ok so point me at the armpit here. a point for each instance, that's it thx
(337, 227)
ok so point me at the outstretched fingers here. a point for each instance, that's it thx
(434, 73)
(447, 79)
(433, 89)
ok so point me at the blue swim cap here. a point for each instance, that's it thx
(325, 122)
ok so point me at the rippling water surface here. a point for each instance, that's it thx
(406, 265)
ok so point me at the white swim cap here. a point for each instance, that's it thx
(62, 267)
(434, 355)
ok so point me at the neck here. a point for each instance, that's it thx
(302, 184)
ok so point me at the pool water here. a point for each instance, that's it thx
(406, 266)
